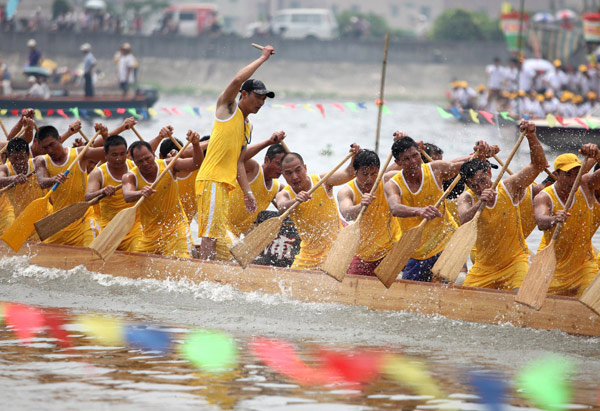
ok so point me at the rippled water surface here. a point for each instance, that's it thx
(41, 376)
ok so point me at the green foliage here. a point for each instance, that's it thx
(490, 28)
(456, 24)
(60, 7)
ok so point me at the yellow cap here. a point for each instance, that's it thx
(455, 84)
(540, 97)
(557, 63)
(513, 95)
(549, 93)
(522, 93)
(505, 93)
(566, 162)
(583, 68)
(480, 87)
(591, 95)
(464, 84)
(577, 99)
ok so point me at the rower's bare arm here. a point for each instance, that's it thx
(92, 155)
(164, 132)
(394, 199)
(242, 179)
(28, 113)
(41, 172)
(466, 207)
(542, 209)
(252, 169)
(193, 163)
(590, 182)
(344, 175)
(125, 125)
(283, 201)
(6, 179)
(346, 201)
(130, 193)
(103, 130)
(253, 149)
(445, 170)
(518, 182)
(94, 185)
(226, 101)
(74, 128)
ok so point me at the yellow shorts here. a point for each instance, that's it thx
(307, 259)
(80, 234)
(507, 278)
(575, 282)
(213, 203)
(177, 243)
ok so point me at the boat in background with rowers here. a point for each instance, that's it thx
(451, 301)
(571, 134)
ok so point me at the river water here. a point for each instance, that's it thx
(41, 376)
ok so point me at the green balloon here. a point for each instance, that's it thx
(545, 382)
(210, 351)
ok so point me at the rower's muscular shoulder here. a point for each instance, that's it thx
(225, 109)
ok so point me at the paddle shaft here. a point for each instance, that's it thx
(319, 183)
(570, 199)
(258, 46)
(84, 136)
(381, 88)
(175, 142)
(546, 170)
(164, 172)
(136, 133)
(101, 196)
(11, 185)
(374, 188)
(4, 129)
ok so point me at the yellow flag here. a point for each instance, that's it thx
(506, 7)
(551, 120)
(99, 112)
(308, 107)
(3, 112)
(474, 117)
(211, 108)
(152, 112)
(38, 115)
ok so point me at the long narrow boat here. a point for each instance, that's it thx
(569, 137)
(455, 302)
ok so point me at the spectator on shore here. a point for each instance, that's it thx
(35, 88)
(35, 55)
(126, 67)
(5, 79)
(89, 62)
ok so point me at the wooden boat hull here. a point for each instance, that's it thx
(455, 302)
(567, 138)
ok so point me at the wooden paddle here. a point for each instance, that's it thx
(511, 173)
(534, 288)
(258, 239)
(136, 133)
(344, 249)
(115, 231)
(16, 235)
(4, 129)
(591, 296)
(258, 46)
(402, 251)
(52, 224)
(381, 87)
(462, 241)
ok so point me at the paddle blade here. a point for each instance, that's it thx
(591, 296)
(109, 239)
(16, 235)
(343, 250)
(457, 251)
(52, 224)
(535, 285)
(396, 260)
(256, 241)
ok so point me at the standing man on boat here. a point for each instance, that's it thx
(225, 157)
(125, 68)
(50, 169)
(165, 229)
(89, 62)
(262, 180)
(411, 194)
(316, 217)
(35, 55)
(379, 230)
(501, 253)
(104, 180)
(575, 263)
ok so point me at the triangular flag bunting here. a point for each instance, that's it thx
(107, 112)
(505, 116)
(99, 112)
(166, 110)
(75, 112)
(152, 112)
(443, 113)
(592, 125)
(321, 109)
(551, 120)
(49, 112)
(134, 113)
(579, 121)
(121, 110)
(291, 105)
(308, 107)
(176, 111)
(487, 116)
(197, 111)
(145, 114)
(474, 117)
(338, 106)
(351, 106)
(526, 117)
(385, 109)
(61, 112)
(211, 108)
(362, 104)
(561, 121)
(38, 115)
(83, 112)
(14, 112)
(455, 112)
(3, 112)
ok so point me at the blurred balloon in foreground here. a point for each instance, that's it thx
(25, 320)
(282, 357)
(491, 388)
(545, 382)
(354, 367)
(147, 339)
(411, 373)
(56, 325)
(105, 330)
(210, 351)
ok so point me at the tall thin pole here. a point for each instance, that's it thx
(519, 48)
(381, 87)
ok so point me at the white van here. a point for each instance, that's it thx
(305, 23)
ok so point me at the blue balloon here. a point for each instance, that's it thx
(148, 339)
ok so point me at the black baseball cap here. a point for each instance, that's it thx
(258, 87)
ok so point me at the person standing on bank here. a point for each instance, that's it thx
(225, 157)
(89, 62)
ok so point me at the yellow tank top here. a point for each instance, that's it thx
(227, 139)
(110, 206)
(499, 235)
(161, 213)
(187, 194)
(437, 232)
(317, 221)
(573, 246)
(528, 223)
(452, 207)
(238, 218)
(595, 217)
(72, 190)
(23, 194)
(379, 230)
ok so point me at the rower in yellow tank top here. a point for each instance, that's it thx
(187, 194)
(526, 212)
(436, 233)
(111, 205)
(81, 232)
(594, 226)
(23, 194)
(378, 229)
(318, 224)
(165, 229)
(501, 254)
(575, 260)
(239, 220)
